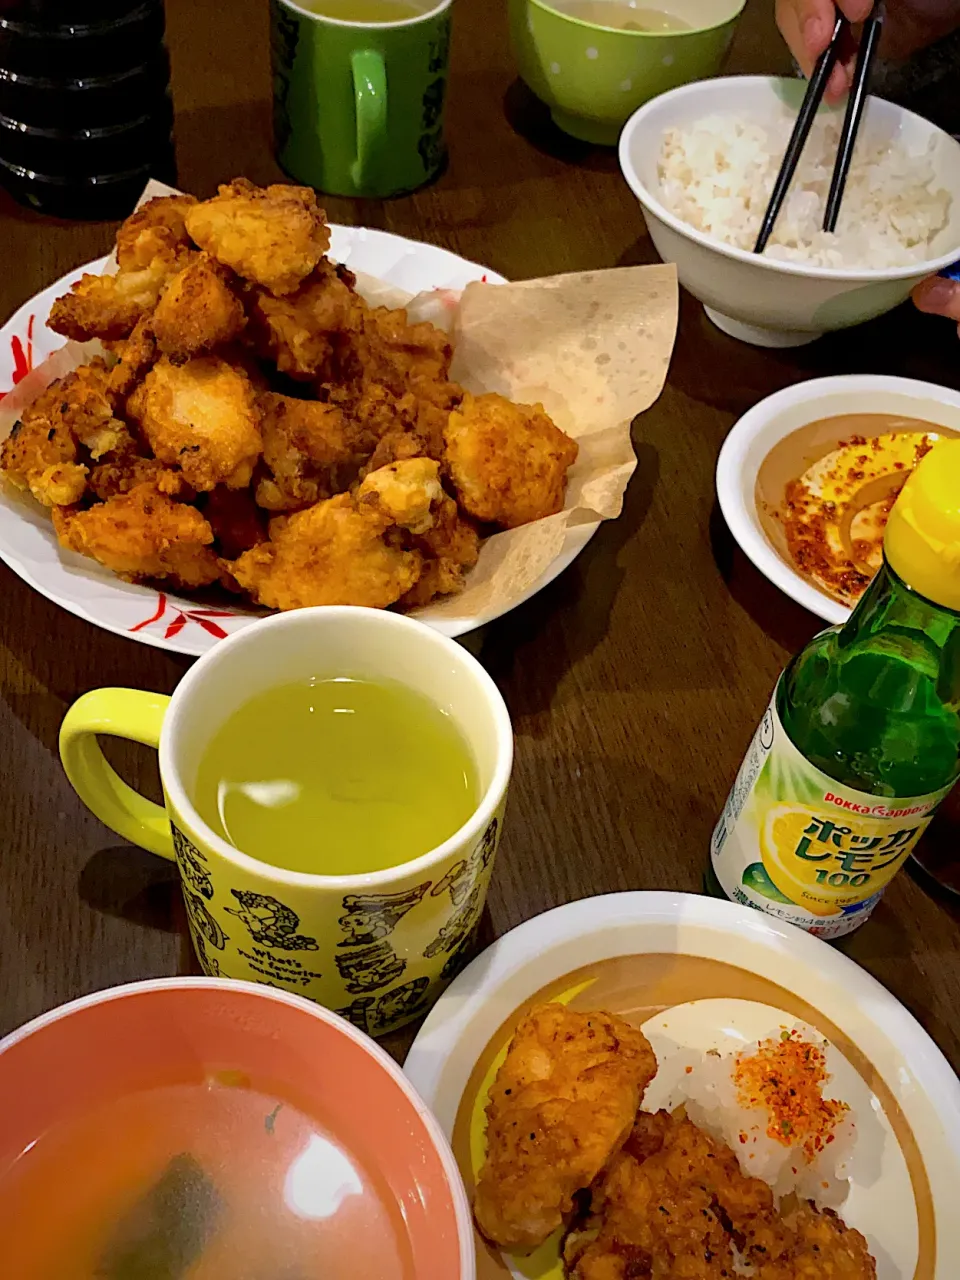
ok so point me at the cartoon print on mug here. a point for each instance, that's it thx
(370, 917)
(432, 146)
(461, 876)
(358, 1012)
(461, 955)
(402, 1002)
(284, 38)
(205, 930)
(373, 1014)
(459, 926)
(270, 922)
(370, 969)
(191, 863)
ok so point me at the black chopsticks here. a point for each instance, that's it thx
(870, 38)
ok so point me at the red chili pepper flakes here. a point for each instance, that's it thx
(786, 1078)
(807, 519)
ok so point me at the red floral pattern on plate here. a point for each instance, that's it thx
(22, 356)
(174, 625)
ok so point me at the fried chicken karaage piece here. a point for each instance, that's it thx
(143, 534)
(449, 547)
(43, 459)
(134, 356)
(152, 246)
(69, 423)
(127, 470)
(674, 1203)
(273, 236)
(202, 417)
(109, 306)
(508, 461)
(301, 331)
(398, 427)
(404, 493)
(560, 1108)
(237, 522)
(814, 1245)
(154, 230)
(332, 553)
(311, 449)
(198, 310)
(398, 355)
(654, 1213)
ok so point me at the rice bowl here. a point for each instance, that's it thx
(766, 300)
(718, 174)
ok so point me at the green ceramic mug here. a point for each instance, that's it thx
(359, 105)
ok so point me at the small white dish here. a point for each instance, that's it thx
(698, 973)
(776, 417)
(758, 299)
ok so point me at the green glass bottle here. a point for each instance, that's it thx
(861, 740)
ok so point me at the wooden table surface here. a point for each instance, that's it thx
(634, 681)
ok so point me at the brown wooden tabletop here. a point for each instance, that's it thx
(634, 681)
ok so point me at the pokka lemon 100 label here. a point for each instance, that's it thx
(796, 844)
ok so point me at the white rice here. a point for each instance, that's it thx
(704, 1085)
(717, 176)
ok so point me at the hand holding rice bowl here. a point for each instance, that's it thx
(906, 176)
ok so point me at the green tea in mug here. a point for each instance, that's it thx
(376, 11)
(337, 777)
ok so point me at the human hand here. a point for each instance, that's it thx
(807, 26)
(939, 296)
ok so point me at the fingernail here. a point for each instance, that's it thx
(936, 293)
(812, 33)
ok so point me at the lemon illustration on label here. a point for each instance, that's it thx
(784, 831)
(797, 844)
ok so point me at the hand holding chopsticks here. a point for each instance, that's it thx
(851, 122)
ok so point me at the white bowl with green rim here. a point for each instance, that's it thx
(593, 77)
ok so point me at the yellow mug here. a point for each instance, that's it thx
(377, 948)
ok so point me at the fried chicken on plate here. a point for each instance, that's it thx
(42, 452)
(332, 553)
(675, 1204)
(143, 534)
(562, 1105)
(301, 331)
(509, 462)
(273, 236)
(201, 417)
(157, 228)
(312, 450)
(197, 311)
(403, 493)
(449, 547)
(152, 247)
(168, 458)
(390, 351)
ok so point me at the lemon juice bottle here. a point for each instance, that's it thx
(861, 740)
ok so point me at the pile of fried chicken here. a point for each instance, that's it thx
(255, 423)
(643, 1196)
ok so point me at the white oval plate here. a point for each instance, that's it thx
(28, 544)
(767, 423)
(698, 973)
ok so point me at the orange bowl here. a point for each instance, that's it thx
(240, 1130)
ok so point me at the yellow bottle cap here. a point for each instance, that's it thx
(922, 538)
